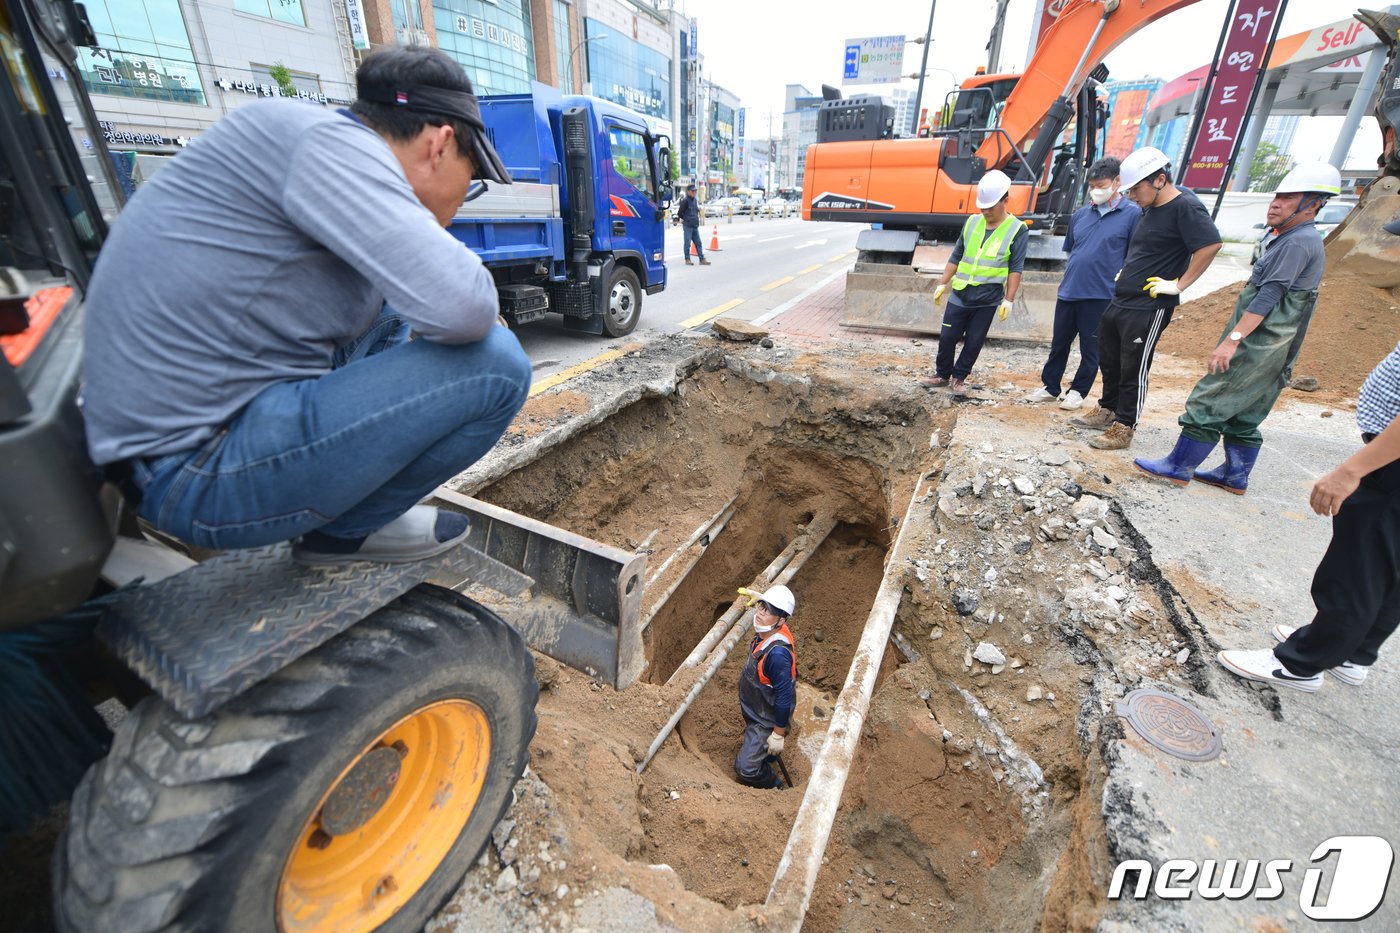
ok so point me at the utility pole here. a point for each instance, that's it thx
(994, 43)
(923, 67)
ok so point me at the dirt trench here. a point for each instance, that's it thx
(937, 824)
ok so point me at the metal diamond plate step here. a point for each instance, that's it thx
(203, 636)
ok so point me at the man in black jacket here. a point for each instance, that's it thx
(690, 221)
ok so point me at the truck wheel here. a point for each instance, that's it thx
(624, 303)
(350, 791)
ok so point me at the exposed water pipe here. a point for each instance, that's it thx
(807, 541)
(704, 536)
(791, 891)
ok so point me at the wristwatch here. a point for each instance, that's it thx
(1236, 336)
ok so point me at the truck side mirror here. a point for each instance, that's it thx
(666, 193)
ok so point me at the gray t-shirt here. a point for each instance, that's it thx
(271, 241)
(1291, 261)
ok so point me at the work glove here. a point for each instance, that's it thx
(938, 294)
(1157, 287)
(1004, 309)
(775, 744)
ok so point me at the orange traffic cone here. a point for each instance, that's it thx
(714, 239)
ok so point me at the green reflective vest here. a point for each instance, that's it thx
(985, 259)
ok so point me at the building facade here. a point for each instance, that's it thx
(799, 132)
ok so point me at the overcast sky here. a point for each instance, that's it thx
(756, 47)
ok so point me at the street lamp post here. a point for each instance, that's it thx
(580, 44)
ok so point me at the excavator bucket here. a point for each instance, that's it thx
(892, 283)
(1359, 246)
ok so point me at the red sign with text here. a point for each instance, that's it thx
(1243, 55)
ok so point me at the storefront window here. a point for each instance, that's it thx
(284, 11)
(143, 51)
(563, 46)
(492, 40)
(627, 72)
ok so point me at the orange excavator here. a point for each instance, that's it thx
(1016, 123)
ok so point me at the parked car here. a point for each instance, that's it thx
(1332, 214)
(721, 207)
(777, 207)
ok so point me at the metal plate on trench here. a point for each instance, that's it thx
(1171, 724)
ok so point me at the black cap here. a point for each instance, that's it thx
(689, 187)
(458, 105)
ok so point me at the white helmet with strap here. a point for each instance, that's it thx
(1139, 164)
(1311, 178)
(992, 188)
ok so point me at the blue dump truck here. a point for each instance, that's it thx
(582, 230)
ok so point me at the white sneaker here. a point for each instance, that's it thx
(1072, 401)
(1346, 672)
(1041, 395)
(1264, 667)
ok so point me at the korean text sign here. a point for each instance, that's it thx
(1242, 58)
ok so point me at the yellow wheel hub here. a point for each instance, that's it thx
(387, 822)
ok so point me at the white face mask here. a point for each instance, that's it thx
(1100, 196)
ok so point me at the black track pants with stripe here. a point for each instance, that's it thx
(1127, 339)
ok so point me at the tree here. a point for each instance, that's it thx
(1269, 167)
(283, 76)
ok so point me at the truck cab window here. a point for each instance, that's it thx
(631, 159)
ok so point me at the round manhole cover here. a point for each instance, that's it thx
(1171, 724)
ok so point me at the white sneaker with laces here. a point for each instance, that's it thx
(1264, 667)
(1041, 394)
(1072, 401)
(1346, 672)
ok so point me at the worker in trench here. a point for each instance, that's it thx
(767, 689)
(984, 272)
(247, 378)
(1254, 359)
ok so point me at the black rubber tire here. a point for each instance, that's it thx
(623, 303)
(186, 825)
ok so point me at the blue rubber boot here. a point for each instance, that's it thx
(1179, 465)
(1233, 474)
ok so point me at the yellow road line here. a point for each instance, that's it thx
(810, 269)
(566, 374)
(704, 316)
(777, 283)
(839, 256)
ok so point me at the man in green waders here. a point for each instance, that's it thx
(1254, 360)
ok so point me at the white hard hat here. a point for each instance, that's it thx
(1139, 164)
(992, 188)
(1311, 178)
(780, 598)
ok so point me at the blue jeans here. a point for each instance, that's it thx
(692, 235)
(1074, 318)
(346, 452)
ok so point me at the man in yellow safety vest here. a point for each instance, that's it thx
(985, 272)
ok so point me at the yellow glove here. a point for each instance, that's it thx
(938, 294)
(1158, 286)
(753, 597)
(1004, 309)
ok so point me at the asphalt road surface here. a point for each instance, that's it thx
(760, 265)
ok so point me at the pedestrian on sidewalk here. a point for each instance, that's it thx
(1172, 245)
(690, 226)
(985, 273)
(1254, 360)
(1356, 588)
(249, 390)
(1097, 242)
(767, 689)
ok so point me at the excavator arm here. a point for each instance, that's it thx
(1082, 36)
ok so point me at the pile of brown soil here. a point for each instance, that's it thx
(1353, 328)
